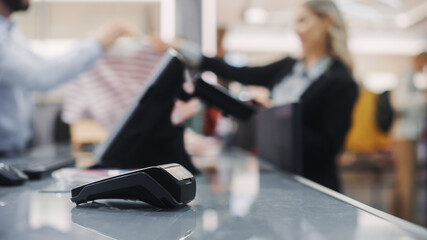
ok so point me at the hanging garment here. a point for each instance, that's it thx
(104, 93)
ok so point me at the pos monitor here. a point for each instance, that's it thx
(145, 135)
(279, 136)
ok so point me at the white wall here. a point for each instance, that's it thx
(77, 19)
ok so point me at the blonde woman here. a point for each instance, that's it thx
(321, 80)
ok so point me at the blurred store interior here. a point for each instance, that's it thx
(384, 38)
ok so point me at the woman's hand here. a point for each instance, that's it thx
(184, 110)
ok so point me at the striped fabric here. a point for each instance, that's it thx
(104, 92)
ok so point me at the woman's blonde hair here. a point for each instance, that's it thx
(337, 33)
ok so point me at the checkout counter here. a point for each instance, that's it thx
(238, 197)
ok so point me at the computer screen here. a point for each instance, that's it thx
(145, 135)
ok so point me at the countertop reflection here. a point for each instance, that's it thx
(234, 200)
(133, 220)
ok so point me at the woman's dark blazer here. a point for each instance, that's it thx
(326, 105)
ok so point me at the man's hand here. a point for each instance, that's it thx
(109, 33)
(157, 43)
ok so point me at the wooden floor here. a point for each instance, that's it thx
(373, 186)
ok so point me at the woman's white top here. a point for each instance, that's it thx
(293, 85)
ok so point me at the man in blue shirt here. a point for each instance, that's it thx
(21, 72)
